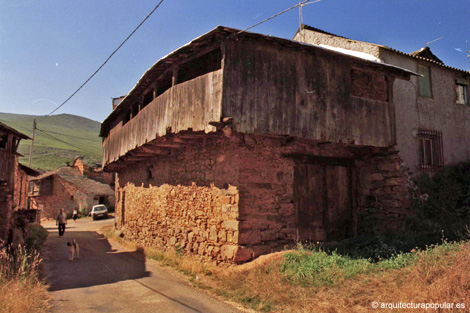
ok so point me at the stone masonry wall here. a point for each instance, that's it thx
(384, 194)
(201, 220)
(233, 200)
(65, 196)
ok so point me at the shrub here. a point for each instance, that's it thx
(37, 237)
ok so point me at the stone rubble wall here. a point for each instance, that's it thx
(61, 198)
(233, 200)
(201, 220)
(384, 194)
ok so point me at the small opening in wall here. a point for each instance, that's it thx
(72, 197)
(149, 173)
(225, 186)
(371, 201)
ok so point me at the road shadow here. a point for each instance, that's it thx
(98, 263)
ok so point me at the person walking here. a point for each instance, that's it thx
(61, 222)
(75, 215)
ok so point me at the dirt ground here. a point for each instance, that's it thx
(112, 279)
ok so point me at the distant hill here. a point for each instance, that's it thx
(59, 139)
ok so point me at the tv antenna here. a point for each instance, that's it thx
(430, 42)
(468, 57)
(301, 5)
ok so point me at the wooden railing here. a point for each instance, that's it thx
(192, 104)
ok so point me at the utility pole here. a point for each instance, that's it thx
(32, 144)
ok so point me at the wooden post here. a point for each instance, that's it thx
(32, 144)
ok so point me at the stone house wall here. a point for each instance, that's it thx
(64, 196)
(236, 195)
(412, 111)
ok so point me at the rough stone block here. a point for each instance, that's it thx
(228, 252)
(243, 254)
(230, 225)
(261, 250)
(268, 235)
(249, 237)
(213, 233)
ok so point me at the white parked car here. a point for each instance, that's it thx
(99, 211)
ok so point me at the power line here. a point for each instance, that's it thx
(48, 131)
(67, 143)
(119, 47)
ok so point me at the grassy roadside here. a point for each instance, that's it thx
(312, 280)
(21, 287)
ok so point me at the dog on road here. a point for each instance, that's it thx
(74, 249)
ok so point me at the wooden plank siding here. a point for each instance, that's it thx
(192, 104)
(8, 160)
(275, 89)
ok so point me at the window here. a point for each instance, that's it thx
(425, 89)
(461, 88)
(430, 149)
(3, 140)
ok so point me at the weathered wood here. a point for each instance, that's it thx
(323, 201)
(192, 104)
(282, 90)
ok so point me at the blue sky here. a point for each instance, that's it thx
(49, 48)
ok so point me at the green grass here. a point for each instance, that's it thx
(74, 136)
(315, 267)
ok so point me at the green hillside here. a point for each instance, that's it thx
(59, 139)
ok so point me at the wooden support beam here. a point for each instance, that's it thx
(133, 158)
(154, 150)
(169, 145)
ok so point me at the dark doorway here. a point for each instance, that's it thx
(323, 201)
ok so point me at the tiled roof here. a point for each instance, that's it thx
(415, 55)
(73, 176)
(427, 54)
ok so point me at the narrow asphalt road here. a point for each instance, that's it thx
(109, 280)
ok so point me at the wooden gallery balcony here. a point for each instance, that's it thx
(169, 106)
(264, 84)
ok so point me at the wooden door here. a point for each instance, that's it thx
(309, 199)
(322, 199)
(339, 203)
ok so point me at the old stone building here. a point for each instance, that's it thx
(94, 172)
(66, 188)
(237, 144)
(432, 112)
(13, 179)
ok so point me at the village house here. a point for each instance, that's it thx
(432, 112)
(67, 188)
(94, 172)
(13, 182)
(238, 144)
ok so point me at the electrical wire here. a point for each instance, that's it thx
(67, 143)
(48, 131)
(276, 15)
(112, 54)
